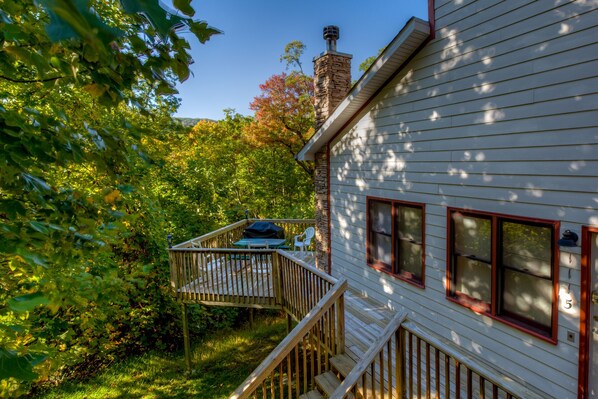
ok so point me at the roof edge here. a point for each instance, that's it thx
(399, 50)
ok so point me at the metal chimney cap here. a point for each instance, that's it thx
(331, 32)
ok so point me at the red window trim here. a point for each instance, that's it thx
(389, 269)
(491, 310)
(585, 303)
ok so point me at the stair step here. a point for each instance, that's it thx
(327, 382)
(343, 364)
(315, 394)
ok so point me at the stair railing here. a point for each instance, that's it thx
(372, 376)
(290, 369)
(407, 362)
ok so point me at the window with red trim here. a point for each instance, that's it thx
(505, 267)
(395, 238)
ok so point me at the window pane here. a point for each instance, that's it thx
(528, 296)
(527, 248)
(472, 236)
(472, 278)
(381, 217)
(410, 223)
(381, 249)
(410, 258)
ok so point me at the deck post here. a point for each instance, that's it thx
(187, 341)
(340, 327)
(400, 359)
(277, 278)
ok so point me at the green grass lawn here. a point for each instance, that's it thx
(221, 362)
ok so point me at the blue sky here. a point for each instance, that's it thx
(229, 68)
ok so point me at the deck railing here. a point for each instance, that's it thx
(225, 277)
(290, 369)
(302, 285)
(226, 236)
(436, 368)
(407, 362)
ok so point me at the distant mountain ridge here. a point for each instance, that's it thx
(190, 122)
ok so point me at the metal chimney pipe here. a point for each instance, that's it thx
(331, 35)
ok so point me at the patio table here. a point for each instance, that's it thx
(260, 242)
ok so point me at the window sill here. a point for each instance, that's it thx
(484, 310)
(384, 269)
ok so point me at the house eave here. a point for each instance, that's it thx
(415, 32)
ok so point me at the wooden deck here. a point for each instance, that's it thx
(374, 351)
(237, 279)
(250, 282)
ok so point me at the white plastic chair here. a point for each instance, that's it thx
(303, 240)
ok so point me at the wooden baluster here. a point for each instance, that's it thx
(389, 366)
(494, 391)
(252, 281)
(244, 282)
(264, 270)
(272, 382)
(447, 376)
(309, 349)
(401, 358)
(280, 382)
(228, 278)
(318, 337)
(289, 377)
(457, 379)
(428, 385)
(381, 361)
(296, 373)
(373, 380)
(469, 383)
(184, 276)
(419, 367)
(410, 364)
(437, 371)
(212, 283)
(482, 387)
(327, 338)
(238, 281)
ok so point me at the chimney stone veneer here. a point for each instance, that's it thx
(332, 74)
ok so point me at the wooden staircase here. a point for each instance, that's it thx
(328, 382)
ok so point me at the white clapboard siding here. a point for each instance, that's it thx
(498, 113)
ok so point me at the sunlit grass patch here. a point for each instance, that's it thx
(221, 362)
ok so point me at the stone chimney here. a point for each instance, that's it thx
(332, 74)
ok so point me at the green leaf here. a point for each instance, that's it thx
(39, 227)
(185, 7)
(161, 20)
(33, 183)
(202, 30)
(17, 366)
(26, 303)
(125, 188)
(12, 208)
(165, 88)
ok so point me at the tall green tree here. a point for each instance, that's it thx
(84, 84)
